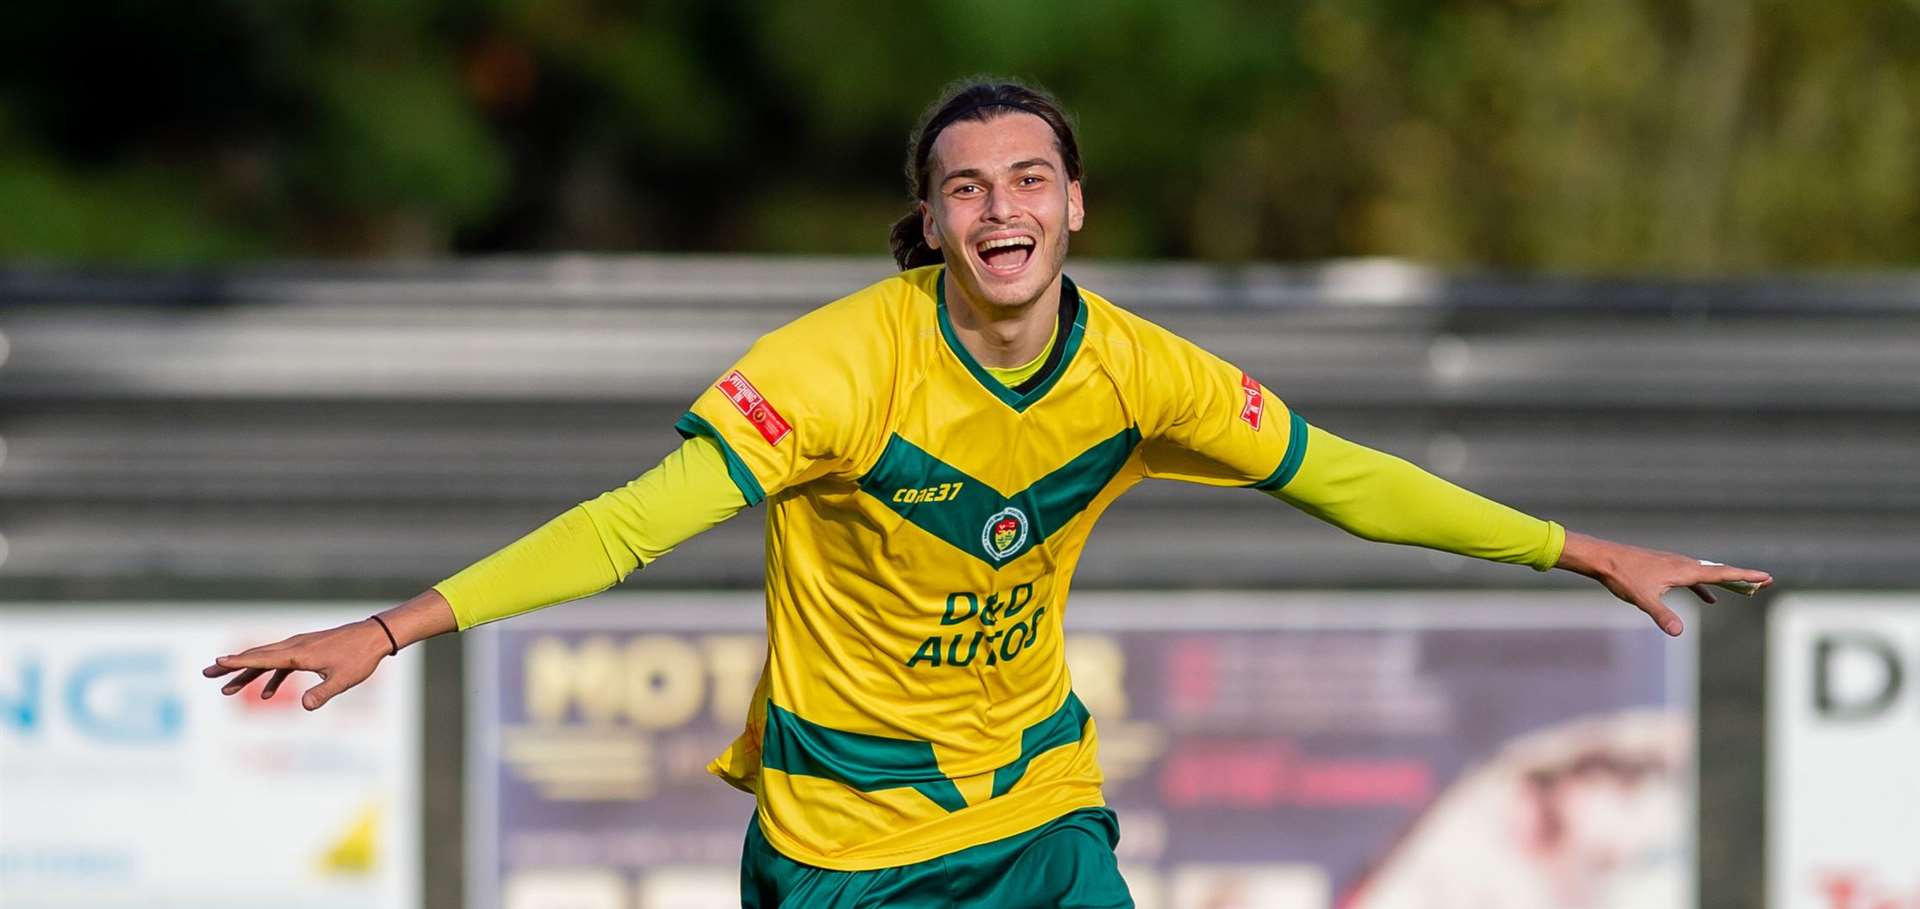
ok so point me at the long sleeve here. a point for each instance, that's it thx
(1379, 497)
(591, 546)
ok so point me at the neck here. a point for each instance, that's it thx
(1002, 336)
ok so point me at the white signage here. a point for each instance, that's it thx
(127, 779)
(1844, 756)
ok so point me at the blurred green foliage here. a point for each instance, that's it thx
(1599, 135)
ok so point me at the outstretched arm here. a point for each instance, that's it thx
(582, 552)
(1383, 498)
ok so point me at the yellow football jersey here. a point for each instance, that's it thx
(924, 524)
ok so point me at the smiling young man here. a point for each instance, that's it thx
(933, 451)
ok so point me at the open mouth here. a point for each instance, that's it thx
(1005, 255)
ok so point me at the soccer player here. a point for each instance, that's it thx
(933, 451)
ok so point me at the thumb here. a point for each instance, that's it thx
(317, 696)
(1666, 618)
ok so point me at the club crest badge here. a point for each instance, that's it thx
(1005, 532)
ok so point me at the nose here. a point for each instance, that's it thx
(999, 208)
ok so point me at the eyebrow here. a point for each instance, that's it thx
(976, 173)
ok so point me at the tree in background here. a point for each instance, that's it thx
(1607, 135)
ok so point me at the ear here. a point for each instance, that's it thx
(928, 231)
(1076, 207)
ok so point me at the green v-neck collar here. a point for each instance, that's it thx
(1073, 315)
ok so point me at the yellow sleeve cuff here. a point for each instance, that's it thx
(598, 542)
(1551, 550)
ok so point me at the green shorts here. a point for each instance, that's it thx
(1067, 863)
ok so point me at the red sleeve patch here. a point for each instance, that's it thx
(751, 404)
(1256, 402)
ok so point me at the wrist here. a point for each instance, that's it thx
(415, 620)
(1587, 555)
(386, 635)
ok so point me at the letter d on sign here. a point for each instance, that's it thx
(1855, 676)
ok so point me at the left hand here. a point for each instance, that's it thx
(1641, 576)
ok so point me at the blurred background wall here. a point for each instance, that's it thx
(321, 301)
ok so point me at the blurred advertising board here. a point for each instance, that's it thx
(1281, 751)
(1843, 773)
(127, 779)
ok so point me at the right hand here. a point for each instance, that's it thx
(343, 657)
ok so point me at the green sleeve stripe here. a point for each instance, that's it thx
(1296, 452)
(692, 424)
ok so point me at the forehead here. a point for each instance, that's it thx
(993, 144)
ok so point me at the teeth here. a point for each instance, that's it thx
(1005, 242)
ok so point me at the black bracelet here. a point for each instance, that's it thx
(390, 639)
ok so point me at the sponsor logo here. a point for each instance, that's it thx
(1002, 622)
(752, 405)
(940, 493)
(1256, 402)
(1004, 533)
(114, 697)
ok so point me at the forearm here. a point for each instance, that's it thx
(596, 543)
(1379, 497)
(561, 560)
(424, 616)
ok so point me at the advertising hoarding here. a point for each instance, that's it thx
(1843, 771)
(1365, 751)
(127, 779)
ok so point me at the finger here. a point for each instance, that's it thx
(1750, 575)
(317, 696)
(273, 684)
(233, 662)
(258, 649)
(1701, 591)
(1716, 573)
(252, 660)
(241, 681)
(1667, 619)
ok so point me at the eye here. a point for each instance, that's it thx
(966, 189)
(1032, 180)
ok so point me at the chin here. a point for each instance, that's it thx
(1011, 292)
(1013, 296)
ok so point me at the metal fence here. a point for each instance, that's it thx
(374, 426)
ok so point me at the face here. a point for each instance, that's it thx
(1000, 208)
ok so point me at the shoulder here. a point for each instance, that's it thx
(1130, 344)
(836, 363)
(1166, 378)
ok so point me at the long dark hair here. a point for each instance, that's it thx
(971, 99)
